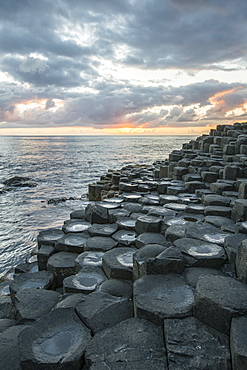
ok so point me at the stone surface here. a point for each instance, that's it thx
(102, 229)
(132, 344)
(62, 265)
(238, 343)
(96, 214)
(55, 341)
(100, 244)
(125, 237)
(9, 350)
(206, 232)
(33, 303)
(5, 324)
(157, 297)
(117, 287)
(150, 238)
(93, 259)
(41, 280)
(101, 310)
(147, 224)
(118, 263)
(49, 237)
(218, 299)
(75, 226)
(191, 345)
(84, 281)
(192, 274)
(241, 261)
(201, 254)
(71, 243)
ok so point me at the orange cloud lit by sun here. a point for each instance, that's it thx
(215, 98)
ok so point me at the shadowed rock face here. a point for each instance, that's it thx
(131, 343)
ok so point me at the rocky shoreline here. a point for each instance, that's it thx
(150, 274)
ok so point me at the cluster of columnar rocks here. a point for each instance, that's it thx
(150, 274)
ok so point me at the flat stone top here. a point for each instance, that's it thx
(224, 291)
(62, 259)
(131, 340)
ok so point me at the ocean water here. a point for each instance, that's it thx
(62, 166)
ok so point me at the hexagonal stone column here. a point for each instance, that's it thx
(88, 259)
(148, 224)
(218, 299)
(157, 297)
(71, 243)
(100, 244)
(118, 263)
(49, 237)
(75, 226)
(62, 264)
(57, 340)
(84, 282)
(201, 254)
(238, 343)
(192, 345)
(132, 344)
(38, 280)
(101, 310)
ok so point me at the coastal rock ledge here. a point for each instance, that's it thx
(150, 274)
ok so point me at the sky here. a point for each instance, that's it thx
(122, 66)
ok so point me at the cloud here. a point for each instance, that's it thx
(81, 53)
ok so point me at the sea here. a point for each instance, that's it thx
(62, 167)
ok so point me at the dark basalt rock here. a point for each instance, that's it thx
(117, 287)
(157, 297)
(55, 341)
(218, 299)
(132, 344)
(191, 345)
(118, 263)
(101, 310)
(19, 181)
(238, 337)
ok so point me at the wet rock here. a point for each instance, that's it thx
(132, 344)
(20, 181)
(96, 214)
(128, 187)
(157, 297)
(218, 299)
(26, 267)
(62, 265)
(100, 244)
(43, 254)
(56, 341)
(102, 230)
(192, 274)
(59, 200)
(78, 214)
(117, 287)
(150, 238)
(215, 200)
(49, 237)
(240, 207)
(177, 207)
(101, 310)
(125, 237)
(201, 254)
(166, 199)
(75, 226)
(5, 324)
(6, 308)
(147, 224)
(33, 303)
(9, 350)
(206, 232)
(118, 263)
(231, 244)
(91, 259)
(176, 231)
(218, 211)
(116, 214)
(192, 186)
(84, 281)
(70, 300)
(71, 243)
(241, 261)
(223, 223)
(38, 280)
(191, 345)
(238, 343)
(126, 223)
